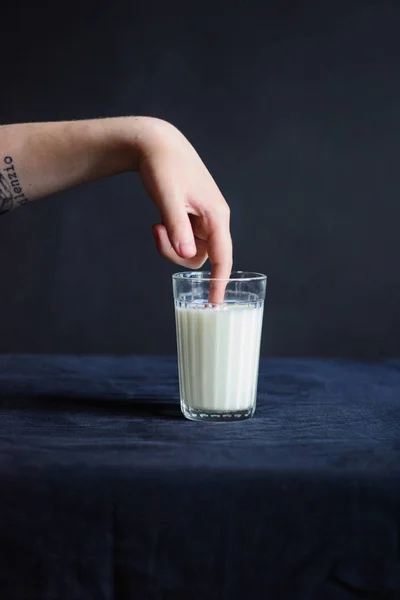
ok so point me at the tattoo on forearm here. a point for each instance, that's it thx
(11, 194)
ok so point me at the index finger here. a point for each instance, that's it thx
(220, 254)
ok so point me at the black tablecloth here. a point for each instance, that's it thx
(108, 493)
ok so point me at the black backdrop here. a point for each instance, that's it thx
(293, 105)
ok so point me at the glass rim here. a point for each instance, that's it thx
(199, 276)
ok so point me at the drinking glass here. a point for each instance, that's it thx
(218, 343)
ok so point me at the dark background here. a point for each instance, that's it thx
(294, 107)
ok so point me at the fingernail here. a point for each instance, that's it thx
(186, 248)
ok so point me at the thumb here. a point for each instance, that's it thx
(179, 229)
(159, 182)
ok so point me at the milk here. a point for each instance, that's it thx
(218, 356)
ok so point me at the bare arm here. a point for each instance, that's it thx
(48, 157)
(38, 159)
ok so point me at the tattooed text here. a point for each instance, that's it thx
(11, 193)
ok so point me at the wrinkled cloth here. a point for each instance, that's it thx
(108, 493)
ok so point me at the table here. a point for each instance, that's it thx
(108, 493)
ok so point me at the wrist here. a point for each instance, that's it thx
(148, 136)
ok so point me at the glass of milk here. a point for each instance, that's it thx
(218, 328)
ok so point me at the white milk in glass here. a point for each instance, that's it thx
(218, 355)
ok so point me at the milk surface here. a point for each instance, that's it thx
(218, 355)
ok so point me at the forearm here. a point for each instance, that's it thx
(38, 159)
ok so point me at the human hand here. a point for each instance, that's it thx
(195, 216)
(43, 158)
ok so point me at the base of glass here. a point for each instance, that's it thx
(216, 416)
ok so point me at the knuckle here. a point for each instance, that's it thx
(224, 208)
(165, 251)
(227, 209)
